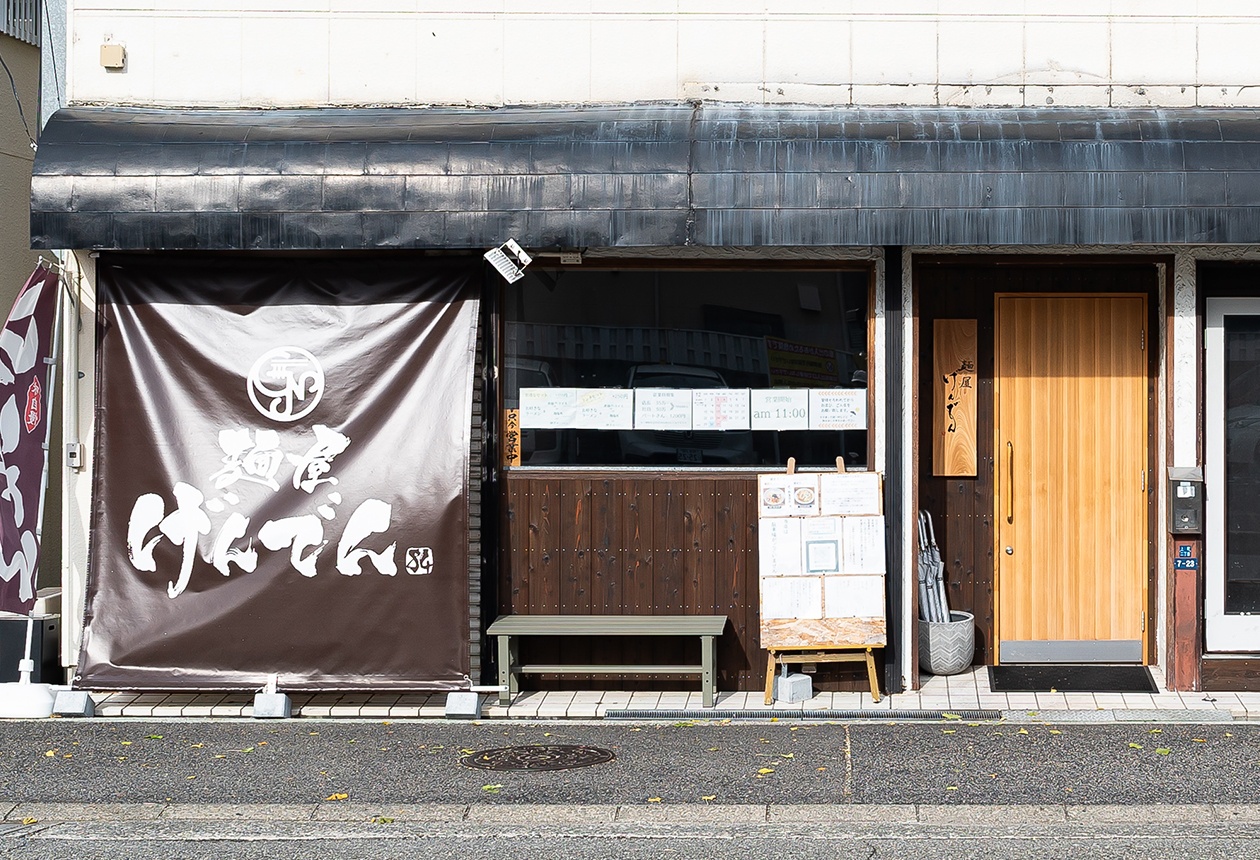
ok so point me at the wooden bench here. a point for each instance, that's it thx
(510, 628)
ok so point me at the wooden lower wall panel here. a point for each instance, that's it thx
(1236, 675)
(670, 543)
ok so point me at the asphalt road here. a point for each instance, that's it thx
(305, 761)
(685, 789)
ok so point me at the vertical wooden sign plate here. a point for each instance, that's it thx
(954, 398)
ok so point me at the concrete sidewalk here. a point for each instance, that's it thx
(968, 691)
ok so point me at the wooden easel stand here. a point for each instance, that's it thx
(823, 654)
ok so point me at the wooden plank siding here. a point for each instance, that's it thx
(963, 508)
(588, 542)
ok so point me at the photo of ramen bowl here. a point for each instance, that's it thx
(805, 495)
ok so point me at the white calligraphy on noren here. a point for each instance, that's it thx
(255, 458)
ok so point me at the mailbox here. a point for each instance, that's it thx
(1185, 501)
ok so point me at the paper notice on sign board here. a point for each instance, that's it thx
(862, 545)
(820, 538)
(779, 547)
(719, 409)
(849, 493)
(662, 409)
(787, 495)
(779, 409)
(837, 409)
(772, 496)
(792, 597)
(802, 495)
(548, 408)
(853, 596)
(605, 409)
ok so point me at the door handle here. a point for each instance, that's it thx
(1010, 482)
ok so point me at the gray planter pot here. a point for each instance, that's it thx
(947, 647)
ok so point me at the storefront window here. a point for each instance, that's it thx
(687, 368)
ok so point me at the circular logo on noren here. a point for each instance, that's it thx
(286, 383)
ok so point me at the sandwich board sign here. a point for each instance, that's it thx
(821, 550)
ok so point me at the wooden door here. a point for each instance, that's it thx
(1070, 478)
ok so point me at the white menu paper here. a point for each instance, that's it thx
(779, 408)
(548, 408)
(847, 493)
(862, 545)
(779, 547)
(820, 540)
(792, 597)
(854, 596)
(605, 409)
(662, 409)
(837, 409)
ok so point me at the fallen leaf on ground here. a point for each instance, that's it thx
(125, 743)
(654, 800)
(340, 795)
(30, 821)
(708, 797)
(492, 789)
(1156, 732)
(765, 770)
(1199, 740)
(1055, 732)
(947, 715)
(951, 788)
(154, 737)
(197, 746)
(1023, 731)
(50, 753)
(1162, 750)
(949, 731)
(381, 819)
(1134, 746)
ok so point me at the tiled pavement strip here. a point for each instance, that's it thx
(967, 691)
(979, 815)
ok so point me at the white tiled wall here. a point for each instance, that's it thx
(403, 52)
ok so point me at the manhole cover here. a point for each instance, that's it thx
(551, 757)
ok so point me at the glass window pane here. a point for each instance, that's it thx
(638, 329)
(1242, 466)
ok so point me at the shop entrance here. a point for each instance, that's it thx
(1070, 478)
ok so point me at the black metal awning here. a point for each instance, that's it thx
(638, 176)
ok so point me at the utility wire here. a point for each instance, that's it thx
(18, 99)
(52, 53)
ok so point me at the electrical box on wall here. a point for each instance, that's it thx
(113, 56)
(1185, 500)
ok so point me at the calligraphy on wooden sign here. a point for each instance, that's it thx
(511, 437)
(954, 398)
